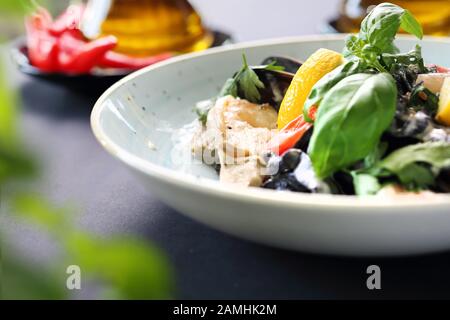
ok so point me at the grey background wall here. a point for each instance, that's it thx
(259, 19)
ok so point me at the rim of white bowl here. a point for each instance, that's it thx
(261, 196)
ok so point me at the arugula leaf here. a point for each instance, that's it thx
(416, 177)
(246, 83)
(325, 84)
(412, 59)
(415, 167)
(405, 68)
(364, 182)
(350, 121)
(436, 154)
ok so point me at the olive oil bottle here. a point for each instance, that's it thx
(147, 27)
(434, 15)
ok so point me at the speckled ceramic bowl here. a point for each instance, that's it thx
(138, 121)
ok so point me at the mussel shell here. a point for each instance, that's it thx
(290, 65)
(276, 84)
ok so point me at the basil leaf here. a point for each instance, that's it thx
(375, 155)
(410, 24)
(350, 121)
(382, 24)
(436, 154)
(329, 81)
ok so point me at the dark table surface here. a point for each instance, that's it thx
(208, 264)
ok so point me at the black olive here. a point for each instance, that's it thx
(344, 183)
(290, 160)
(276, 183)
(417, 124)
(295, 185)
(297, 174)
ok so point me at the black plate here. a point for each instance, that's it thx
(95, 82)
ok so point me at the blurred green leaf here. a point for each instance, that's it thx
(133, 268)
(20, 281)
(8, 112)
(37, 210)
(13, 6)
(14, 163)
(130, 268)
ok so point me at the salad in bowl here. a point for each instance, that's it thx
(369, 120)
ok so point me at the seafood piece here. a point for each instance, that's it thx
(235, 134)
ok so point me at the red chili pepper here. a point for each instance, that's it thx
(117, 60)
(69, 21)
(292, 133)
(312, 113)
(42, 47)
(78, 57)
(60, 46)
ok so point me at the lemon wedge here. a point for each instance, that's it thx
(315, 68)
(443, 115)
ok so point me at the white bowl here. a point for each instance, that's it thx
(138, 117)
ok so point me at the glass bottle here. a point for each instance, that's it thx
(147, 27)
(434, 15)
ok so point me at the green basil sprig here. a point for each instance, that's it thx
(373, 49)
(378, 32)
(350, 121)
